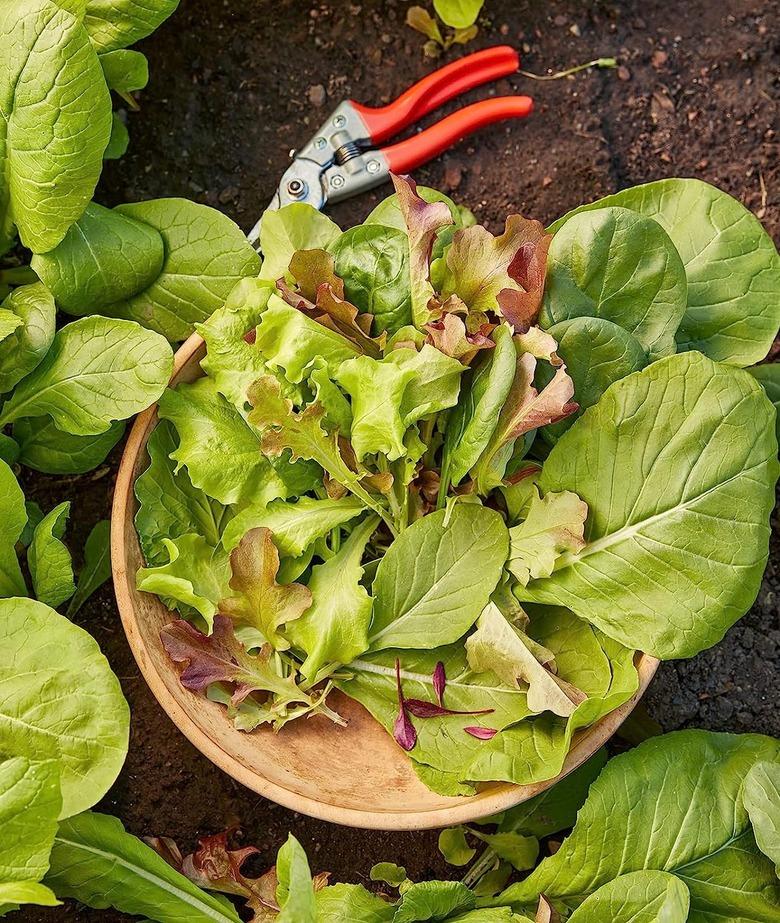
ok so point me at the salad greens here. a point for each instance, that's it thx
(464, 477)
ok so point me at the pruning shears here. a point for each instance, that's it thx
(342, 159)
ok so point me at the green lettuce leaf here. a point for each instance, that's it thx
(761, 797)
(677, 464)
(295, 891)
(351, 904)
(335, 629)
(96, 862)
(294, 227)
(58, 697)
(731, 264)
(13, 518)
(119, 23)
(49, 560)
(55, 122)
(768, 376)
(615, 264)
(434, 900)
(26, 348)
(45, 448)
(97, 565)
(640, 897)
(97, 370)
(439, 565)
(125, 72)
(460, 14)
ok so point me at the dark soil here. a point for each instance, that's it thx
(232, 90)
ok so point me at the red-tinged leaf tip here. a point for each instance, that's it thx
(403, 730)
(421, 709)
(251, 336)
(481, 733)
(439, 682)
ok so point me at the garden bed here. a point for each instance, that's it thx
(235, 86)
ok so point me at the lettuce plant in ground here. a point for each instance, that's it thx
(617, 863)
(464, 477)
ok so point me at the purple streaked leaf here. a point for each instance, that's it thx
(481, 733)
(421, 709)
(439, 682)
(403, 730)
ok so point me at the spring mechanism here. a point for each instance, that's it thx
(347, 152)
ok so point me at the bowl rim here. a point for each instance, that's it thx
(502, 796)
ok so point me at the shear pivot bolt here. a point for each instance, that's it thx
(296, 188)
(373, 166)
(337, 182)
(340, 121)
(320, 143)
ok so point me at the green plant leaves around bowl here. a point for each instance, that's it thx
(679, 776)
(676, 538)
(60, 701)
(731, 265)
(166, 263)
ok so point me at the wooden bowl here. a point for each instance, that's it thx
(356, 775)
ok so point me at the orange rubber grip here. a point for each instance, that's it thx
(437, 88)
(409, 154)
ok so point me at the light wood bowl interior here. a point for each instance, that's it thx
(356, 775)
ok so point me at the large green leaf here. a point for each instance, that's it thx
(769, 378)
(677, 464)
(30, 803)
(55, 121)
(334, 629)
(13, 518)
(51, 568)
(98, 370)
(295, 891)
(351, 904)
(645, 812)
(731, 264)
(45, 448)
(118, 23)
(373, 261)
(283, 231)
(104, 257)
(437, 576)
(761, 797)
(639, 897)
(96, 862)
(618, 265)
(206, 254)
(58, 697)
(29, 343)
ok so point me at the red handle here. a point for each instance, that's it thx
(437, 88)
(409, 154)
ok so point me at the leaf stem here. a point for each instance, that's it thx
(558, 75)
(483, 865)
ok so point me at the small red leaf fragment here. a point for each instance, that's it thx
(439, 682)
(421, 709)
(481, 733)
(403, 729)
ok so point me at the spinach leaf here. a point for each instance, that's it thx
(761, 797)
(21, 352)
(295, 891)
(97, 565)
(30, 803)
(45, 448)
(596, 353)
(97, 370)
(351, 904)
(438, 567)
(119, 140)
(679, 776)
(460, 14)
(640, 897)
(168, 505)
(13, 518)
(125, 71)
(206, 254)
(731, 264)
(96, 862)
(55, 122)
(473, 420)
(335, 628)
(58, 697)
(49, 560)
(373, 261)
(768, 376)
(118, 23)
(294, 227)
(677, 464)
(434, 900)
(615, 264)
(105, 257)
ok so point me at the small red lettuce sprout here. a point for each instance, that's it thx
(421, 709)
(481, 733)
(403, 729)
(439, 682)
